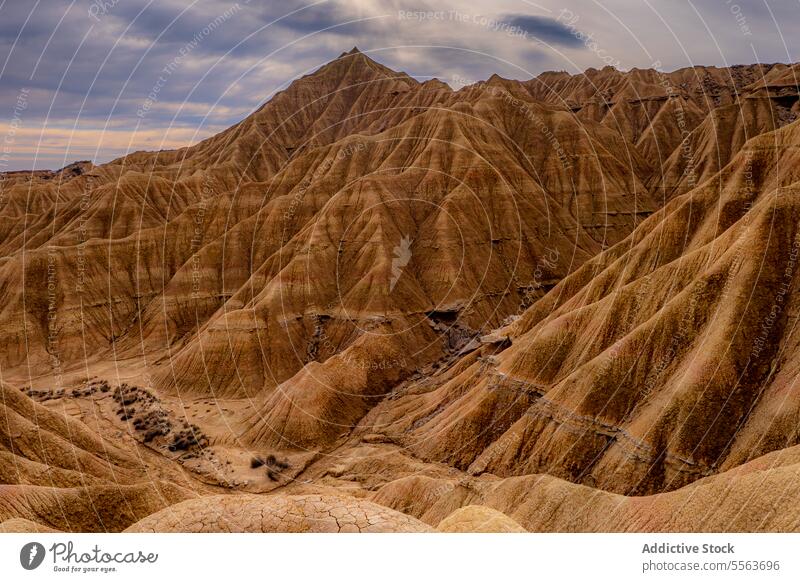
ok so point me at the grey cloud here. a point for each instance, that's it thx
(547, 30)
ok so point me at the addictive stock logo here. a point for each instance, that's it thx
(31, 555)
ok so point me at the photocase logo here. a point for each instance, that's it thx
(402, 255)
(31, 555)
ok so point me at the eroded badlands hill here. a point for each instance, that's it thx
(479, 308)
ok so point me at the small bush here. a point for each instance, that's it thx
(275, 463)
(179, 444)
(256, 462)
(151, 434)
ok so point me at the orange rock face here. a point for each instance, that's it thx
(476, 308)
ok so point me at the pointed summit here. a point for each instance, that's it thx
(355, 67)
(352, 51)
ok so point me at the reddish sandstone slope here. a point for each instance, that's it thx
(667, 358)
(57, 473)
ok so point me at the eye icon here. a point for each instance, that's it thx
(31, 555)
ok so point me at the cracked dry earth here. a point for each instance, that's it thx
(291, 514)
(377, 304)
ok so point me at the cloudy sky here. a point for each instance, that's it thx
(96, 79)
